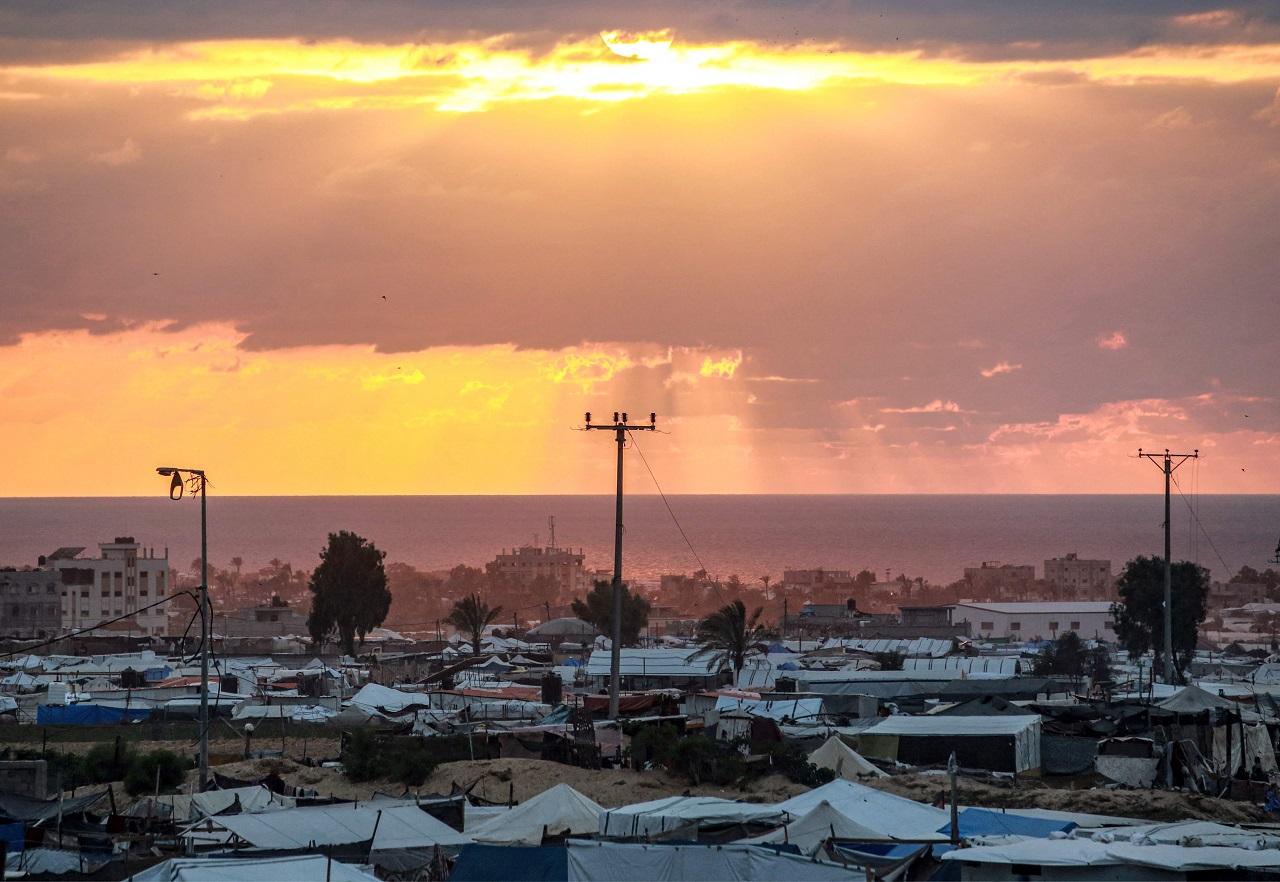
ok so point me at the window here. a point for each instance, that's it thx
(1075, 626)
(1053, 626)
(1110, 626)
(986, 626)
(1015, 626)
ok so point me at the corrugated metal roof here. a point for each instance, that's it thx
(654, 663)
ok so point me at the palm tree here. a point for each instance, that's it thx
(729, 635)
(766, 579)
(471, 615)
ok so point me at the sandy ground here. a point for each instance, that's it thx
(521, 779)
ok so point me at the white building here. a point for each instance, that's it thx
(1080, 577)
(125, 578)
(562, 565)
(1090, 619)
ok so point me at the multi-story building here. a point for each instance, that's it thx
(275, 619)
(1229, 595)
(29, 604)
(528, 562)
(1073, 576)
(1090, 619)
(125, 578)
(808, 582)
(994, 579)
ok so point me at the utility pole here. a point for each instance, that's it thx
(620, 428)
(1165, 462)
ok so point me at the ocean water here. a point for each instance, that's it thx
(930, 536)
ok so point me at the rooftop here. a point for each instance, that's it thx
(1032, 607)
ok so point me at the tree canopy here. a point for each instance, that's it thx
(1139, 614)
(729, 635)
(597, 609)
(349, 592)
(471, 615)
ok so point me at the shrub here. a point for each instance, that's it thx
(702, 759)
(141, 776)
(368, 757)
(791, 761)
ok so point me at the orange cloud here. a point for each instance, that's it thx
(1113, 341)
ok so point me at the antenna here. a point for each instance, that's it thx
(551, 525)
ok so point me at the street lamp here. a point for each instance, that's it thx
(195, 480)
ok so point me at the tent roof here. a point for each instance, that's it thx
(402, 825)
(842, 759)
(655, 663)
(1193, 700)
(809, 832)
(373, 697)
(555, 812)
(301, 868)
(566, 627)
(1039, 852)
(670, 812)
(942, 725)
(892, 817)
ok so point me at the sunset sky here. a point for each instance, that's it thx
(401, 247)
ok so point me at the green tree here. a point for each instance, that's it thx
(597, 609)
(471, 616)
(1099, 664)
(1139, 614)
(729, 636)
(349, 592)
(1064, 657)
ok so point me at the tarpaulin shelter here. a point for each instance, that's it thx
(625, 862)
(558, 811)
(996, 743)
(376, 699)
(809, 832)
(298, 868)
(33, 811)
(689, 812)
(88, 714)
(506, 863)
(842, 759)
(892, 817)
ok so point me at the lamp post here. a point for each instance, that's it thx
(198, 483)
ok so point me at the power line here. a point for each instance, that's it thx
(675, 519)
(73, 634)
(1207, 537)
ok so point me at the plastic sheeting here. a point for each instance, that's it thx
(505, 863)
(88, 714)
(373, 698)
(617, 862)
(892, 817)
(810, 832)
(558, 811)
(842, 759)
(1022, 730)
(661, 815)
(302, 868)
(398, 825)
(1257, 746)
(792, 709)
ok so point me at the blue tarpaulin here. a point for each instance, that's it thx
(502, 863)
(13, 836)
(88, 714)
(985, 822)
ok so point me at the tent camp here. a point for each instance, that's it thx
(676, 812)
(558, 811)
(300, 868)
(619, 862)
(842, 759)
(996, 743)
(890, 817)
(810, 832)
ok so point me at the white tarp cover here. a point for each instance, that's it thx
(919, 647)
(7, 705)
(807, 709)
(1191, 833)
(892, 817)
(1257, 746)
(1023, 728)
(1005, 666)
(555, 812)
(1188, 859)
(302, 868)
(1037, 852)
(1086, 853)
(373, 698)
(624, 862)
(810, 832)
(660, 815)
(1193, 700)
(842, 759)
(654, 663)
(402, 825)
(301, 713)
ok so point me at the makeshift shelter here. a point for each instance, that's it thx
(996, 743)
(810, 832)
(559, 811)
(686, 813)
(890, 817)
(491, 863)
(299, 868)
(842, 759)
(376, 699)
(625, 862)
(88, 714)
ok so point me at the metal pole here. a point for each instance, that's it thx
(615, 650)
(206, 626)
(1169, 676)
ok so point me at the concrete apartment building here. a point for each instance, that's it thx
(263, 620)
(528, 562)
(30, 607)
(123, 579)
(1090, 619)
(1074, 576)
(994, 577)
(810, 581)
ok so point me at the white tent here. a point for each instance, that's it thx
(1021, 732)
(301, 868)
(810, 832)
(892, 817)
(399, 825)
(555, 812)
(375, 699)
(624, 862)
(844, 761)
(660, 815)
